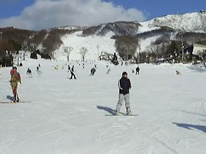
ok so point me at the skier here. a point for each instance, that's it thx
(93, 70)
(108, 71)
(12, 71)
(72, 73)
(29, 73)
(15, 79)
(124, 87)
(137, 70)
(68, 68)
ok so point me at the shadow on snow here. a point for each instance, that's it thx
(197, 69)
(11, 98)
(191, 127)
(109, 110)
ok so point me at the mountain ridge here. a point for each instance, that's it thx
(189, 28)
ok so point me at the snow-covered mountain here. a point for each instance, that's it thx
(189, 22)
(165, 28)
(101, 37)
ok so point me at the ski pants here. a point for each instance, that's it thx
(73, 75)
(120, 102)
(14, 87)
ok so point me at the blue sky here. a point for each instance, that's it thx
(10, 8)
(26, 14)
(151, 8)
(157, 8)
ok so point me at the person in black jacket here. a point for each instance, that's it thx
(124, 87)
(72, 73)
(137, 70)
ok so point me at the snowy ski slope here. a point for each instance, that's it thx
(68, 116)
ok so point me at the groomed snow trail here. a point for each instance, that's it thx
(68, 116)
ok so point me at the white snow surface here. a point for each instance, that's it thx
(145, 43)
(145, 27)
(94, 44)
(188, 22)
(68, 116)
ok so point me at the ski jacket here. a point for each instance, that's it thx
(72, 70)
(12, 72)
(15, 78)
(124, 85)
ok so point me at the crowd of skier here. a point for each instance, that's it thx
(124, 83)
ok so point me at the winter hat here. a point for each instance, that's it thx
(124, 73)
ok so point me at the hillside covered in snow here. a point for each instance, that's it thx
(62, 116)
(127, 39)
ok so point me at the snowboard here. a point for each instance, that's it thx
(121, 114)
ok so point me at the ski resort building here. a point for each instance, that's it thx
(198, 49)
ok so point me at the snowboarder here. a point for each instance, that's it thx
(72, 73)
(15, 79)
(93, 70)
(124, 87)
(137, 70)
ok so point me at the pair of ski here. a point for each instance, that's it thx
(12, 102)
(121, 114)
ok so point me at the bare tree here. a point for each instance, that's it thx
(68, 50)
(83, 52)
(155, 49)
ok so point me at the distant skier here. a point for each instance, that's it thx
(137, 70)
(29, 73)
(124, 87)
(178, 72)
(72, 73)
(93, 70)
(15, 79)
(68, 68)
(108, 71)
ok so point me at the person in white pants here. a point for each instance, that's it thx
(124, 87)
